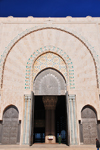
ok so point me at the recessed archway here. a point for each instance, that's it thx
(50, 57)
(50, 90)
(66, 30)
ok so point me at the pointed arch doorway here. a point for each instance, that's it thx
(51, 103)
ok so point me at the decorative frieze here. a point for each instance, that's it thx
(50, 56)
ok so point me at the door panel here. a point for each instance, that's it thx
(10, 126)
(89, 125)
(89, 132)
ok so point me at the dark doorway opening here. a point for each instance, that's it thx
(61, 125)
(39, 121)
(61, 120)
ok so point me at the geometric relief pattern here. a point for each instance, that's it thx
(89, 132)
(89, 123)
(46, 57)
(49, 60)
(49, 85)
(36, 28)
(49, 82)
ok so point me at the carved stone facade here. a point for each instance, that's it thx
(50, 58)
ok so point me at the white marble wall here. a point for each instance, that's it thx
(78, 38)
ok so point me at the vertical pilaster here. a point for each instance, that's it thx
(24, 130)
(73, 123)
(28, 120)
(74, 113)
(47, 130)
(71, 120)
(27, 99)
(53, 125)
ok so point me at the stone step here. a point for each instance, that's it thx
(47, 147)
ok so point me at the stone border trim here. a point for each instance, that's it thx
(57, 51)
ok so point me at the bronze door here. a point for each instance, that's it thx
(10, 126)
(89, 123)
(89, 132)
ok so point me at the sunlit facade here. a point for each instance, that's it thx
(49, 80)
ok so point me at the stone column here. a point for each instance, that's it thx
(27, 99)
(73, 124)
(50, 104)
(53, 125)
(47, 125)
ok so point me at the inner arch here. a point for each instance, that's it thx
(49, 82)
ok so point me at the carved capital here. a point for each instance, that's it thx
(72, 97)
(27, 97)
(49, 102)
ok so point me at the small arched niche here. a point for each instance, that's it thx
(49, 82)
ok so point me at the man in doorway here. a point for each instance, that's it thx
(97, 144)
(59, 139)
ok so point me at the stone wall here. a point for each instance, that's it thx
(76, 40)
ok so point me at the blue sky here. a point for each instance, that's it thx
(49, 8)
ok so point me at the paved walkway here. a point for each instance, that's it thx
(47, 147)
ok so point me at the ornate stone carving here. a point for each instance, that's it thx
(49, 82)
(49, 102)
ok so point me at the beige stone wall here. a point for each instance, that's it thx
(86, 89)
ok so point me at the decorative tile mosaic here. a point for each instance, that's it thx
(50, 56)
(65, 29)
(49, 60)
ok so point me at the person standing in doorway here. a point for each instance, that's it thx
(59, 139)
(97, 144)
